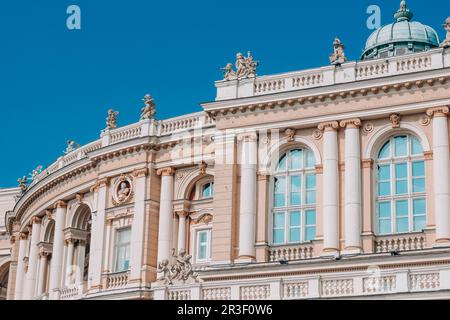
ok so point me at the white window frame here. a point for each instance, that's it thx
(197, 245)
(202, 186)
(116, 248)
(287, 173)
(410, 196)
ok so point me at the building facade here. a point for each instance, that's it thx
(324, 183)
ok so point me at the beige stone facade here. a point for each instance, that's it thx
(100, 222)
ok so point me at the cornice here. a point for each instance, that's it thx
(310, 99)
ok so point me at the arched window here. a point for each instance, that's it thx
(294, 198)
(400, 202)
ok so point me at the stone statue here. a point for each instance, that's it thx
(23, 183)
(180, 271)
(124, 191)
(446, 42)
(71, 146)
(338, 57)
(36, 172)
(245, 67)
(149, 111)
(111, 120)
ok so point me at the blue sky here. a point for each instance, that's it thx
(57, 84)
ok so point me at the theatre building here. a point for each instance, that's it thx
(328, 183)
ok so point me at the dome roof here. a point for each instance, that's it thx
(403, 34)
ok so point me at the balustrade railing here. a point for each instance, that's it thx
(117, 280)
(407, 242)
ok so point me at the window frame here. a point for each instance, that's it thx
(393, 198)
(287, 209)
(208, 245)
(117, 247)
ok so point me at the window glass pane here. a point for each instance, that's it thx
(385, 226)
(279, 220)
(295, 218)
(310, 217)
(384, 172)
(401, 171)
(418, 169)
(207, 190)
(419, 185)
(310, 197)
(280, 189)
(402, 225)
(385, 151)
(310, 181)
(310, 233)
(401, 208)
(294, 235)
(400, 146)
(310, 159)
(296, 159)
(384, 188)
(124, 236)
(296, 183)
(420, 223)
(280, 200)
(419, 206)
(384, 210)
(278, 236)
(416, 146)
(202, 237)
(282, 164)
(401, 187)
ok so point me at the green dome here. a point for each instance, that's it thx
(400, 37)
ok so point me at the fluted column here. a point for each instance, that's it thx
(30, 285)
(42, 271)
(247, 212)
(441, 176)
(165, 213)
(353, 218)
(20, 273)
(98, 235)
(182, 216)
(57, 252)
(330, 187)
(138, 227)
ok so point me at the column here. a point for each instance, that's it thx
(165, 214)
(353, 219)
(20, 274)
(30, 285)
(262, 218)
(42, 271)
(330, 187)
(441, 176)
(98, 235)
(182, 215)
(138, 227)
(57, 252)
(108, 267)
(81, 252)
(247, 212)
(69, 262)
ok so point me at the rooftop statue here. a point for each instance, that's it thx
(245, 67)
(36, 172)
(23, 183)
(71, 146)
(111, 120)
(149, 111)
(446, 42)
(338, 57)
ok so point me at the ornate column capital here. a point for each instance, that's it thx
(438, 112)
(367, 163)
(329, 126)
(43, 253)
(36, 220)
(23, 236)
(138, 173)
(169, 171)
(100, 183)
(60, 204)
(182, 213)
(351, 123)
(248, 137)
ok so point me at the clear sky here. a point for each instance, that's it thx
(57, 84)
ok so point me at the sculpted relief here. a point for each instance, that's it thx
(179, 271)
(123, 190)
(245, 68)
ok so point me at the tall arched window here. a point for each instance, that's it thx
(294, 198)
(401, 204)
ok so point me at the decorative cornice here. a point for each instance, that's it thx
(138, 173)
(438, 112)
(169, 171)
(329, 126)
(60, 204)
(351, 123)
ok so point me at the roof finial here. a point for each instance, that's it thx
(403, 13)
